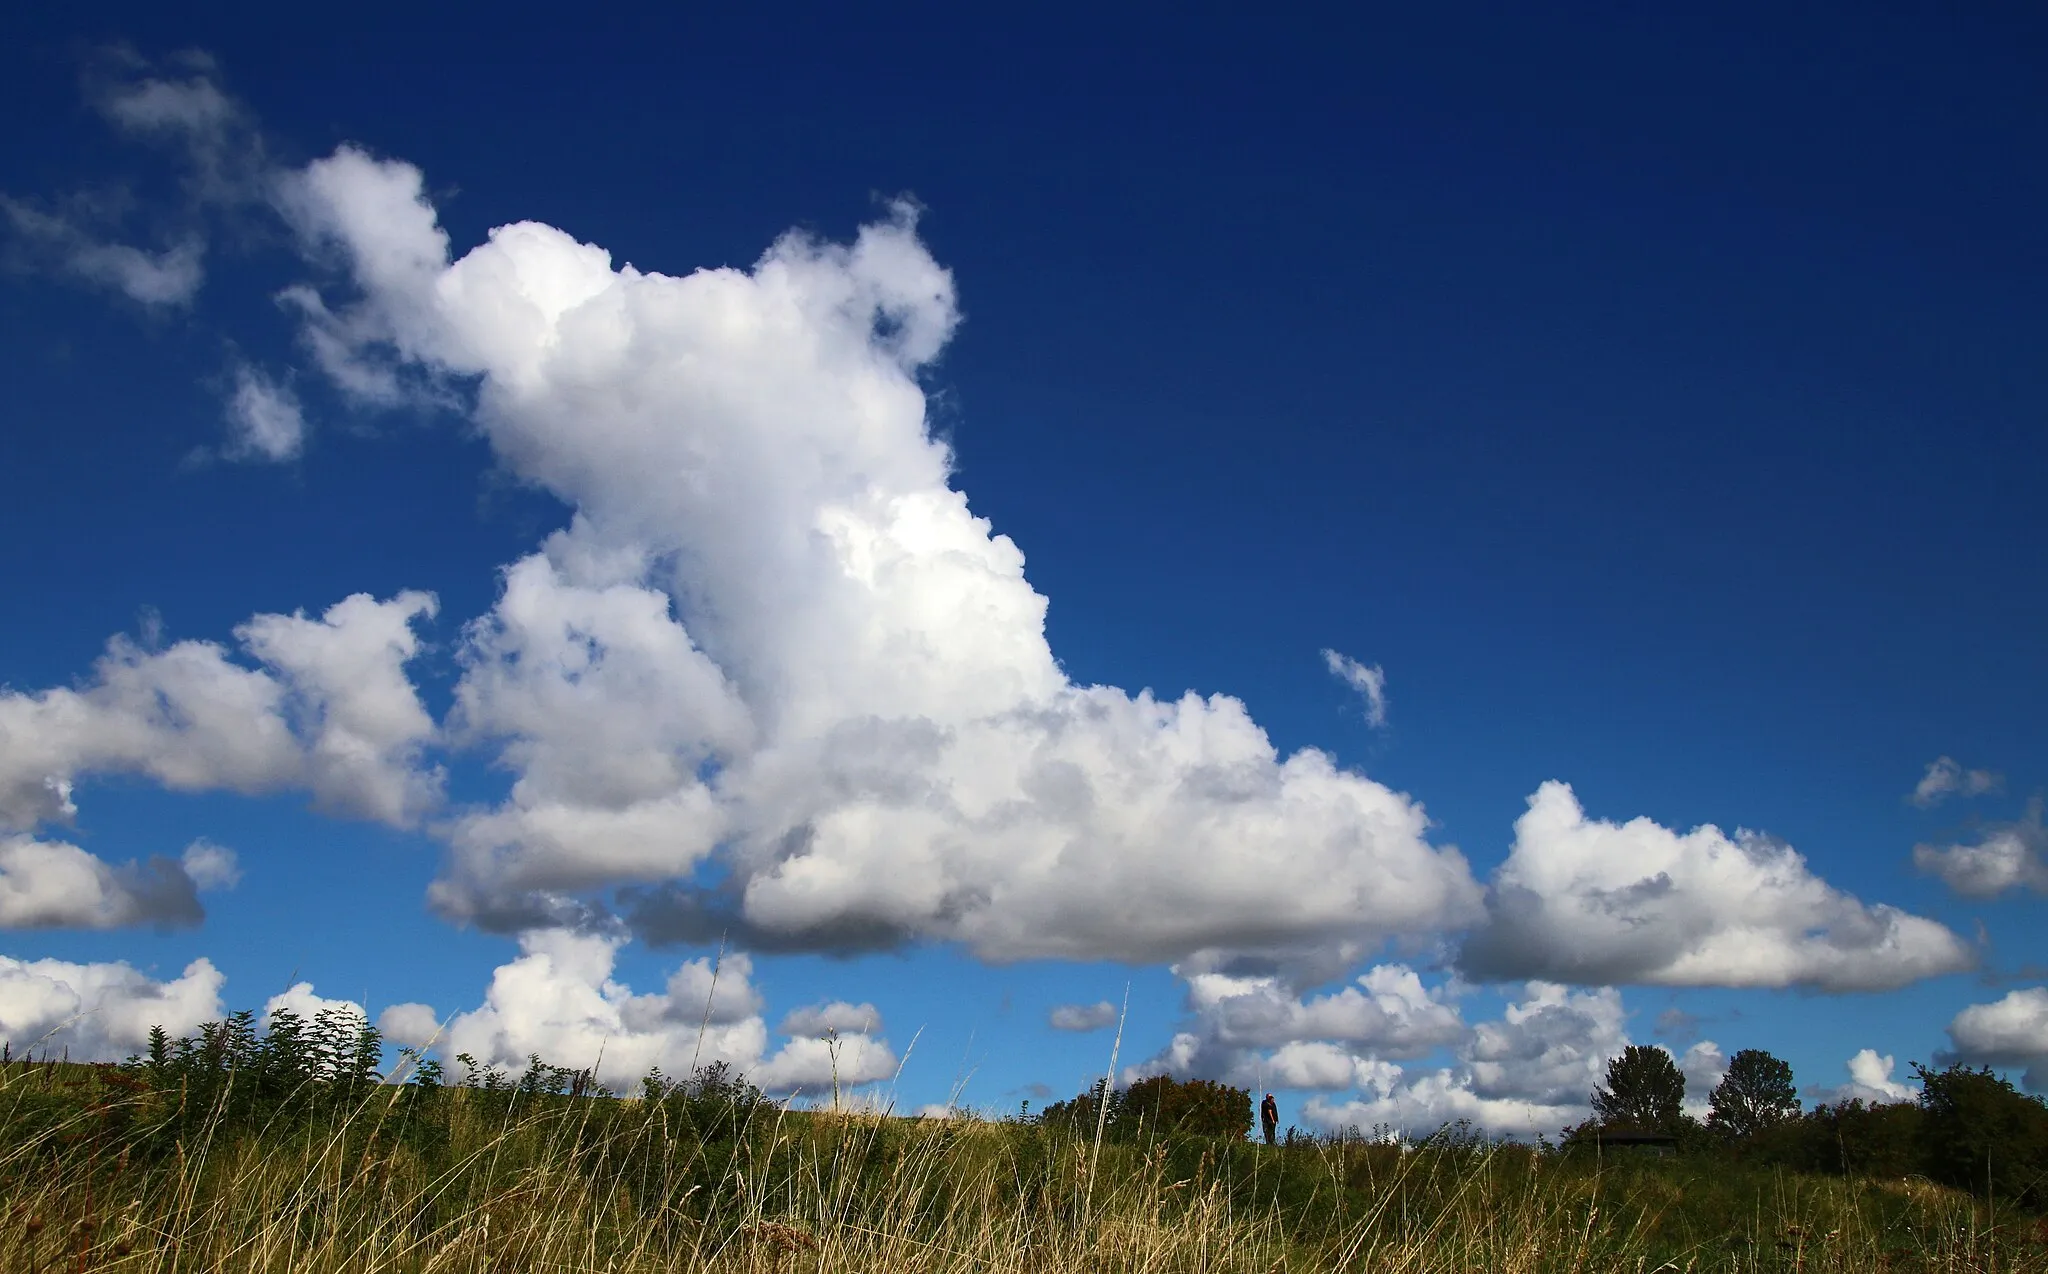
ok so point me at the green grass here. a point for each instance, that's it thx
(96, 1174)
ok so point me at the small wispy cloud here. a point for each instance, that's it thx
(1082, 1017)
(211, 866)
(178, 108)
(1369, 680)
(169, 277)
(1945, 778)
(265, 421)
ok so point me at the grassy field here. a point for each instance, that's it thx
(99, 1172)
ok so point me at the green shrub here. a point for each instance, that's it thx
(1981, 1134)
(1154, 1109)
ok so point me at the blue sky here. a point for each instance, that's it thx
(1653, 401)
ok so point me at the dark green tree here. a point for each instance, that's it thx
(1982, 1134)
(1644, 1090)
(1756, 1093)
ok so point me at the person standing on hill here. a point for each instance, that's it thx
(1269, 1116)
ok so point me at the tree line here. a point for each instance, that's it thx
(1968, 1128)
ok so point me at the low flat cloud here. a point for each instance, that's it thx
(838, 1017)
(1255, 1032)
(559, 999)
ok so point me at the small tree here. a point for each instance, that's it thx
(1756, 1093)
(1644, 1090)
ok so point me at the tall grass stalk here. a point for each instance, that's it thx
(514, 1183)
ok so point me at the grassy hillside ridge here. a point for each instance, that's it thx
(156, 1167)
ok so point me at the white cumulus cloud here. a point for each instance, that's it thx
(559, 1000)
(775, 647)
(1588, 901)
(2004, 856)
(1870, 1081)
(354, 709)
(1253, 1031)
(333, 711)
(1703, 1066)
(2010, 1031)
(57, 885)
(211, 866)
(1530, 1072)
(300, 998)
(99, 1012)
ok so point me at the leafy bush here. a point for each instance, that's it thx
(1851, 1138)
(1155, 1108)
(1981, 1134)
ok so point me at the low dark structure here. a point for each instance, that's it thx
(1635, 1141)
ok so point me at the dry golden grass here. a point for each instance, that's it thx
(564, 1185)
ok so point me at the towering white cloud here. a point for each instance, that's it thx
(776, 648)
(99, 1012)
(1870, 1081)
(1582, 900)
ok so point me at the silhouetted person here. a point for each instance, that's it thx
(1269, 1117)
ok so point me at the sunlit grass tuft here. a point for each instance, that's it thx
(502, 1182)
